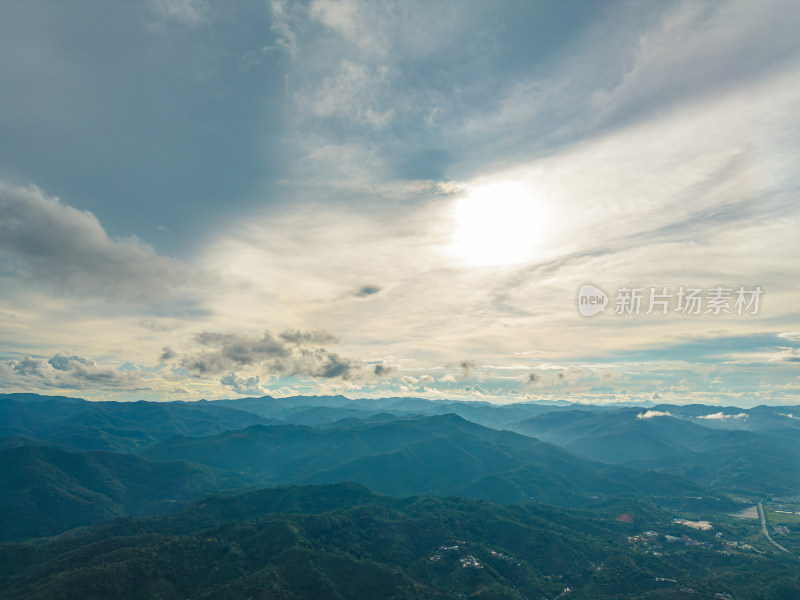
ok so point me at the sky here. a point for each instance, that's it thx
(385, 198)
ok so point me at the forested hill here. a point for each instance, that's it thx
(342, 541)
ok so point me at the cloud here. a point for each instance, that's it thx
(61, 362)
(292, 353)
(789, 416)
(381, 370)
(342, 17)
(467, 368)
(67, 249)
(657, 144)
(554, 376)
(281, 17)
(232, 351)
(569, 374)
(421, 383)
(787, 355)
(242, 385)
(726, 39)
(373, 69)
(350, 94)
(367, 290)
(68, 372)
(640, 72)
(721, 416)
(187, 12)
(308, 338)
(153, 325)
(653, 413)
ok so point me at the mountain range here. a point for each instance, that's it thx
(330, 497)
(97, 460)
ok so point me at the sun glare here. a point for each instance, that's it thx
(497, 224)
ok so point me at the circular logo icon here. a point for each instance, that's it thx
(591, 300)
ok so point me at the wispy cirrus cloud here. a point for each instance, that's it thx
(651, 145)
(186, 12)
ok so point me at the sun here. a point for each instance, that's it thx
(497, 224)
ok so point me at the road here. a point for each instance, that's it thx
(764, 528)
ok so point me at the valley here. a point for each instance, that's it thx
(396, 483)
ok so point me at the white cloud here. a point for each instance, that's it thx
(187, 12)
(354, 92)
(697, 49)
(283, 18)
(654, 413)
(281, 26)
(721, 416)
(348, 19)
(658, 58)
(380, 31)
